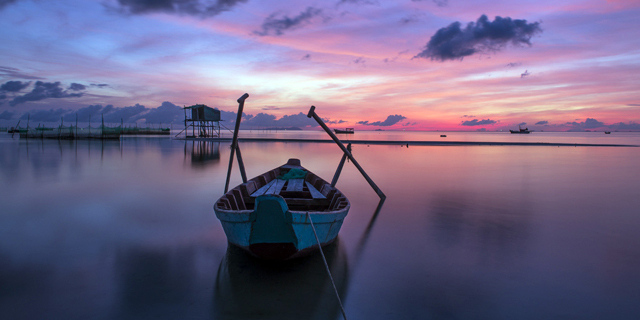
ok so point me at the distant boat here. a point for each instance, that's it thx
(270, 215)
(347, 130)
(525, 130)
(443, 136)
(607, 132)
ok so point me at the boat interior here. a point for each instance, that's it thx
(310, 193)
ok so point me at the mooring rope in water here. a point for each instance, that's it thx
(326, 265)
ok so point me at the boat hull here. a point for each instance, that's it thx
(278, 228)
(238, 229)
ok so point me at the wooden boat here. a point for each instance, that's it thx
(347, 130)
(520, 130)
(270, 215)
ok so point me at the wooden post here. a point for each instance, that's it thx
(339, 170)
(234, 142)
(373, 185)
(76, 125)
(241, 164)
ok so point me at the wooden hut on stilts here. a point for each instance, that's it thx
(203, 121)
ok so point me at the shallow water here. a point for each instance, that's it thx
(126, 230)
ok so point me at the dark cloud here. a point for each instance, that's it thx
(327, 121)
(277, 26)
(522, 124)
(44, 90)
(93, 111)
(476, 122)
(77, 87)
(165, 113)
(589, 123)
(198, 8)
(51, 115)
(296, 120)
(411, 18)
(360, 60)
(441, 3)
(15, 73)
(125, 114)
(455, 43)
(268, 120)
(261, 120)
(357, 2)
(270, 108)
(619, 126)
(592, 123)
(391, 120)
(634, 104)
(4, 3)
(101, 85)
(14, 86)
(2, 97)
(542, 123)
(306, 57)
(526, 73)
(468, 116)
(6, 115)
(481, 130)
(513, 64)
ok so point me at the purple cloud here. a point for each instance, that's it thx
(277, 26)
(44, 90)
(455, 43)
(14, 86)
(391, 120)
(476, 122)
(196, 8)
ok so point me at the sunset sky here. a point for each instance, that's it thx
(370, 64)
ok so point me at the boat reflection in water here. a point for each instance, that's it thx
(252, 288)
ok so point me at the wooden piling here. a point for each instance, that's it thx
(234, 142)
(373, 185)
(339, 170)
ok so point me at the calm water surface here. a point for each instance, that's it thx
(126, 230)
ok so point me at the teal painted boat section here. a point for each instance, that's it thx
(271, 221)
(258, 212)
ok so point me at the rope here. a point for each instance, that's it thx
(326, 265)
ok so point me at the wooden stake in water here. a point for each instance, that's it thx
(234, 142)
(373, 185)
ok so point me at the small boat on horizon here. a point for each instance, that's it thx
(607, 132)
(525, 130)
(346, 130)
(277, 215)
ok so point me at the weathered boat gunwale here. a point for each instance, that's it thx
(319, 201)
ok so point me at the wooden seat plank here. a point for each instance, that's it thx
(295, 185)
(314, 192)
(263, 189)
(276, 187)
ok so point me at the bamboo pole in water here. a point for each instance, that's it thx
(373, 185)
(234, 142)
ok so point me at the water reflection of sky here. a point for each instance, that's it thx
(126, 230)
